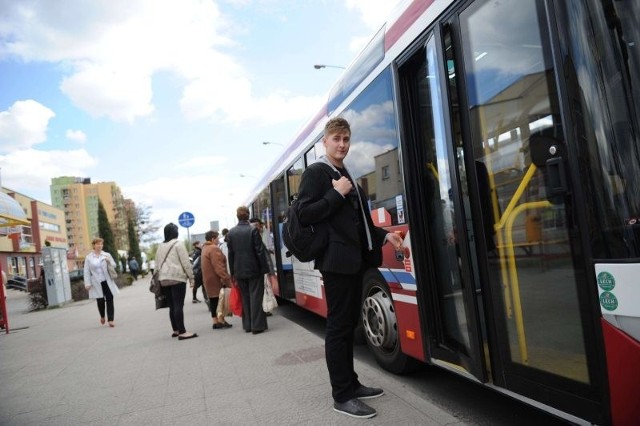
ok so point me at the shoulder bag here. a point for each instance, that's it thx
(155, 287)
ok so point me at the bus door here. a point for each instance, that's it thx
(501, 272)
(519, 206)
(280, 203)
(446, 290)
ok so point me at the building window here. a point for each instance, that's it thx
(385, 172)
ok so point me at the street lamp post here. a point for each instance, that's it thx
(319, 66)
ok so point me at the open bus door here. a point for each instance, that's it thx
(280, 202)
(503, 280)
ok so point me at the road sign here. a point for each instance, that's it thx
(186, 219)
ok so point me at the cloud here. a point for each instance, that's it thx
(76, 135)
(210, 197)
(18, 167)
(121, 96)
(111, 52)
(24, 125)
(202, 162)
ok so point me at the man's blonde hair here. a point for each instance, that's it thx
(335, 125)
(242, 213)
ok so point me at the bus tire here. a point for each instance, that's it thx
(379, 325)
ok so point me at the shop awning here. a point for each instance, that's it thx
(11, 213)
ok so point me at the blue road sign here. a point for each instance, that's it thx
(186, 219)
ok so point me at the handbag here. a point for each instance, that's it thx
(112, 271)
(269, 302)
(156, 288)
(223, 309)
(161, 302)
(235, 300)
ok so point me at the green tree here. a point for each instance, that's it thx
(147, 227)
(134, 245)
(105, 232)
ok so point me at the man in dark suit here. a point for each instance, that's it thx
(248, 264)
(354, 246)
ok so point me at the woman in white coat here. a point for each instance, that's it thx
(97, 280)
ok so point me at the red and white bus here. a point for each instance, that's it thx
(502, 138)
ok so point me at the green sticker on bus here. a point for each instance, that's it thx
(608, 301)
(606, 281)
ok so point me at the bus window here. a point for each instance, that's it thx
(316, 151)
(294, 174)
(311, 156)
(373, 157)
(604, 90)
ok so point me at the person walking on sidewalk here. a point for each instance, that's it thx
(175, 270)
(355, 245)
(133, 267)
(98, 281)
(214, 275)
(248, 263)
(197, 269)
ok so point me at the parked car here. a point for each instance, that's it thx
(76, 275)
(17, 282)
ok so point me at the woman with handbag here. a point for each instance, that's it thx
(174, 271)
(214, 276)
(98, 280)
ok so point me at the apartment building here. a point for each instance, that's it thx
(21, 244)
(78, 198)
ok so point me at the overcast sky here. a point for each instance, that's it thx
(171, 99)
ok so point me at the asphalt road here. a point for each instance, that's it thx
(467, 401)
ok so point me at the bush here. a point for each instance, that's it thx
(124, 280)
(37, 295)
(78, 292)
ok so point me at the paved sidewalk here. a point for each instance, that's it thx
(61, 367)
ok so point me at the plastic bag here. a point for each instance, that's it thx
(269, 302)
(235, 301)
(223, 309)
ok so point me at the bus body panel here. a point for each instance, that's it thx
(623, 355)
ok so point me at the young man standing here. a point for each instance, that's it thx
(355, 245)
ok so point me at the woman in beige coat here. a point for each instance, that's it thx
(174, 272)
(214, 275)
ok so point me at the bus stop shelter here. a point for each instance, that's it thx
(11, 215)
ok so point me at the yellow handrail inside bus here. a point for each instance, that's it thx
(513, 273)
(506, 288)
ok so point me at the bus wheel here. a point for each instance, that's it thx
(380, 326)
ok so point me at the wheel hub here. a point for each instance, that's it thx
(379, 320)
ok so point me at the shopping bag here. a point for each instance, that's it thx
(269, 302)
(235, 301)
(223, 309)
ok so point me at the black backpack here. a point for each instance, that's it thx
(306, 243)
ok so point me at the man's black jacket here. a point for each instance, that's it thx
(319, 202)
